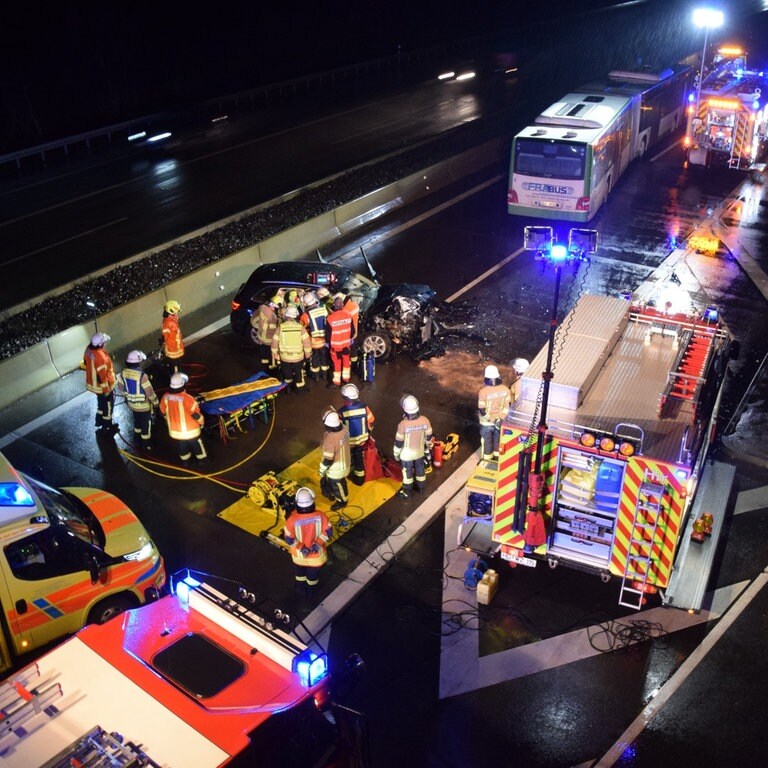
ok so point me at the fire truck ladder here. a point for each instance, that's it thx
(686, 380)
(640, 558)
(740, 146)
(19, 702)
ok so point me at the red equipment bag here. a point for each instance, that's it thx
(372, 461)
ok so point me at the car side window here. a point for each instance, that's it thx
(44, 555)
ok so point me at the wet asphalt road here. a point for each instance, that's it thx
(561, 716)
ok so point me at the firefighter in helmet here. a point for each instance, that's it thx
(340, 334)
(100, 379)
(313, 318)
(307, 532)
(359, 420)
(264, 324)
(173, 342)
(134, 385)
(412, 441)
(184, 418)
(335, 461)
(291, 346)
(493, 402)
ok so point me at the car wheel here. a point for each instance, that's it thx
(251, 335)
(378, 344)
(109, 608)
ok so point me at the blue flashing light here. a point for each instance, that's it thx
(681, 475)
(15, 495)
(310, 667)
(184, 587)
(691, 98)
(711, 314)
(558, 253)
(739, 72)
(756, 104)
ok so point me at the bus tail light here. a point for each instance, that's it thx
(511, 197)
(582, 204)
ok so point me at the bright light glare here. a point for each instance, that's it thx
(559, 253)
(446, 75)
(465, 76)
(708, 18)
(159, 136)
(137, 136)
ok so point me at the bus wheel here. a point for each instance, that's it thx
(109, 608)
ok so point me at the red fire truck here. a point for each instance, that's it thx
(622, 463)
(727, 117)
(196, 679)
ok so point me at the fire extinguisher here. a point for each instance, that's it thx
(437, 453)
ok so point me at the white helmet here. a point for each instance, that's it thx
(99, 339)
(520, 365)
(410, 405)
(323, 292)
(309, 300)
(350, 392)
(178, 380)
(332, 419)
(305, 497)
(290, 312)
(135, 356)
(491, 372)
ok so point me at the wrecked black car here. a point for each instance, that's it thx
(392, 317)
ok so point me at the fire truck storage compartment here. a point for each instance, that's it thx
(592, 329)
(586, 505)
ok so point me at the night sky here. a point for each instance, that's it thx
(74, 66)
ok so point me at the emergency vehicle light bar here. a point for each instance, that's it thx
(239, 621)
(15, 495)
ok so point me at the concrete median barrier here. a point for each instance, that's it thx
(46, 362)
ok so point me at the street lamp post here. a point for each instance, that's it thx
(708, 18)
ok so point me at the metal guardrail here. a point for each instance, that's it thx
(109, 137)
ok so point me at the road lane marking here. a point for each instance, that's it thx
(463, 670)
(6, 262)
(681, 675)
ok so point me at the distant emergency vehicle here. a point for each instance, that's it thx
(195, 680)
(730, 124)
(631, 416)
(70, 556)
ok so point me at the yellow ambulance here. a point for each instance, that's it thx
(68, 557)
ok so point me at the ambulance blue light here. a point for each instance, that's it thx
(681, 475)
(559, 253)
(756, 104)
(184, 587)
(15, 495)
(711, 314)
(691, 97)
(310, 667)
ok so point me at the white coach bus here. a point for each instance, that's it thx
(564, 166)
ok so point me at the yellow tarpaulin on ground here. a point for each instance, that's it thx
(363, 499)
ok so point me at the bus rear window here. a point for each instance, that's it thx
(550, 159)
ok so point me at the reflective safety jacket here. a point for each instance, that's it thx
(359, 420)
(265, 323)
(137, 389)
(412, 438)
(351, 306)
(182, 414)
(172, 340)
(339, 329)
(336, 459)
(493, 401)
(291, 343)
(314, 319)
(99, 370)
(302, 531)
